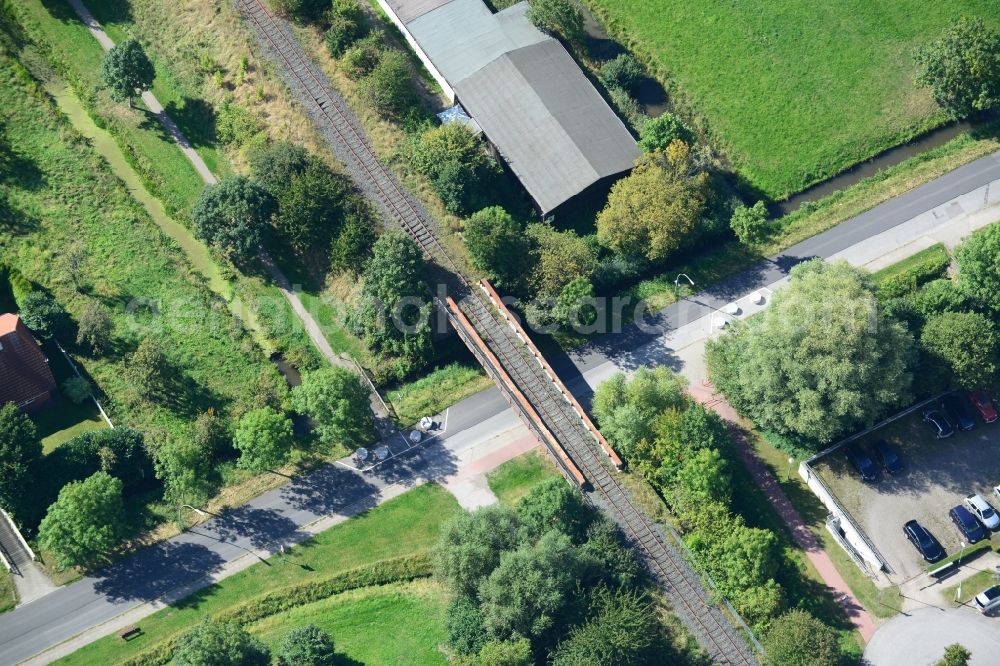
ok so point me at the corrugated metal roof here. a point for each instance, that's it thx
(551, 125)
(463, 36)
(407, 10)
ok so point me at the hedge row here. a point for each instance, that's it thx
(396, 570)
(912, 277)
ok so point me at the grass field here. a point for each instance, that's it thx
(792, 91)
(402, 623)
(8, 598)
(435, 391)
(515, 478)
(405, 525)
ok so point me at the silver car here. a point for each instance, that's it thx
(983, 511)
(988, 600)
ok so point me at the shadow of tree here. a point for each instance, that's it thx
(196, 120)
(153, 572)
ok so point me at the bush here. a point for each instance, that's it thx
(341, 34)
(660, 132)
(274, 165)
(306, 646)
(457, 184)
(466, 631)
(901, 283)
(43, 315)
(966, 343)
(306, 10)
(498, 247)
(507, 653)
(750, 224)
(361, 58)
(559, 17)
(450, 142)
(220, 644)
(352, 246)
(628, 108)
(389, 86)
(76, 389)
(624, 72)
(236, 124)
(798, 639)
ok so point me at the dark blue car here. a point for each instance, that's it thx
(958, 412)
(967, 524)
(887, 457)
(861, 462)
(922, 540)
(942, 428)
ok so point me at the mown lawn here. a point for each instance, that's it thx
(792, 91)
(515, 478)
(405, 525)
(392, 624)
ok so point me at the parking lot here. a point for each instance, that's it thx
(938, 474)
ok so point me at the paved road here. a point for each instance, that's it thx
(920, 637)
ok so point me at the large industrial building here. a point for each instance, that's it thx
(524, 90)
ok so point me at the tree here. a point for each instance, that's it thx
(466, 632)
(43, 315)
(575, 305)
(554, 505)
(310, 206)
(94, 328)
(749, 224)
(388, 86)
(393, 317)
(471, 544)
(663, 130)
(559, 257)
(623, 630)
(77, 389)
(458, 187)
(498, 247)
(623, 71)
(214, 643)
(231, 216)
(820, 361)
(955, 655)
(798, 639)
(506, 653)
(184, 466)
(967, 343)
(650, 212)
(343, 31)
(20, 450)
(626, 409)
(338, 404)
(604, 544)
(274, 165)
(450, 142)
(306, 646)
(528, 592)
(979, 267)
(147, 370)
(264, 438)
(127, 70)
(85, 522)
(559, 17)
(353, 244)
(962, 67)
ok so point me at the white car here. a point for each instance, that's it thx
(988, 600)
(983, 511)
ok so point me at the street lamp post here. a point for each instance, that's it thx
(677, 283)
(961, 554)
(791, 461)
(195, 509)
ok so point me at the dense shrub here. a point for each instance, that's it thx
(628, 108)
(750, 224)
(362, 57)
(558, 17)
(274, 165)
(120, 451)
(967, 344)
(389, 85)
(220, 644)
(235, 124)
(498, 247)
(306, 646)
(660, 132)
(623, 631)
(345, 20)
(20, 457)
(623, 71)
(466, 628)
(903, 282)
(231, 216)
(353, 244)
(305, 10)
(43, 315)
(979, 267)
(558, 257)
(76, 389)
(798, 639)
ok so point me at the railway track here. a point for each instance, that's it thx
(496, 343)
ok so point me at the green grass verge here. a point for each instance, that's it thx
(405, 525)
(434, 392)
(793, 92)
(515, 478)
(8, 597)
(970, 587)
(936, 255)
(395, 624)
(967, 554)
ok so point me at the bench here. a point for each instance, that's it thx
(131, 631)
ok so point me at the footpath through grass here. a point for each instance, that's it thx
(406, 525)
(792, 91)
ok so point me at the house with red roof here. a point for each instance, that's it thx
(25, 377)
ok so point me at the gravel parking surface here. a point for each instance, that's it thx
(938, 475)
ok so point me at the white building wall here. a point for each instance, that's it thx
(448, 91)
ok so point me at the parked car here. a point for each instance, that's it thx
(922, 540)
(988, 600)
(981, 401)
(937, 421)
(983, 511)
(967, 524)
(861, 462)
(958, 412)
(888, 457)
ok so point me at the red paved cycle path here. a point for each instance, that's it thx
(800, 531)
